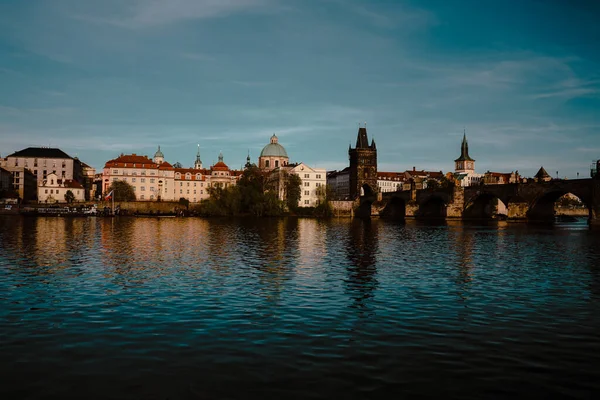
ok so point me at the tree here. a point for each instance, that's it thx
(184, 202)
(293, 191)
(69, 197)
(122, 191)
(432, 184)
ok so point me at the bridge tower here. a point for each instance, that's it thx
(464, 163)
(363, 165)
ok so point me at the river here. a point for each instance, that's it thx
(187, 308)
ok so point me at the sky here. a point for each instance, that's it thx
(101, 78)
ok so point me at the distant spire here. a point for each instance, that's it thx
(220, 156)
(464, 149)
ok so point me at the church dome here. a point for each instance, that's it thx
(159, 153)
(273, 149)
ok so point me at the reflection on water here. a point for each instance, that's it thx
(296, 308)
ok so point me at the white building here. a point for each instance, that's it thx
(390, 181)
(150, 179)
(156, 179)
(54, 189)
(314, 181)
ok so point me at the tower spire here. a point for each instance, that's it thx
(198, 162)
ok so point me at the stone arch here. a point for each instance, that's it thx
(367, 190)
(486, 206)
(541, 209)
(432, 207)
(395, 209)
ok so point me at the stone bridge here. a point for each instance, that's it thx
(524, 201)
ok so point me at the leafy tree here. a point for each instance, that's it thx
(122, 191)
(293, 190)
(69, 197)
(432, 184)
(184, 202)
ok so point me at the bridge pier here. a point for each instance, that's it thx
(456, 208)
(517, 211)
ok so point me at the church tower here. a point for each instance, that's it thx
(464, 163)
(159, 157)
(198, 162)
(363, 165)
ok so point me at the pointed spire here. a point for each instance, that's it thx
(464, 149)
(362, 141)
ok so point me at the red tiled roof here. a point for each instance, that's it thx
(220, 166)
(69, 183)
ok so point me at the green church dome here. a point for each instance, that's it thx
(274, 149)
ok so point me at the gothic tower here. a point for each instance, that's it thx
(464, 163)
(363, 165)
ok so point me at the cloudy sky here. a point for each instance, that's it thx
(100, 78)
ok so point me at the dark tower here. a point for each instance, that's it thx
(464, 163)
(363, 165)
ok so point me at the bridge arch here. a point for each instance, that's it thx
(486, 206)
(542, 208)
(433, 207)
(395, 208)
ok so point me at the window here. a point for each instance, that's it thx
(180, 183)
(306, 202)
(141, 197)
(180, 191)
(267, 163)
(188, 184)
(143, 188)
(188, 191)
(318, 184)
(134, 188)
(143, 180)
(151, 180)
(307, 175)
(46, 191)
(194, 191)
(306, 183)
(132, 179)
(307, 192)
(276, 163)
(115, 179)
(318, 176)
(115, 171)
(152, 188)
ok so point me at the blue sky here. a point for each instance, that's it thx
(100, 78)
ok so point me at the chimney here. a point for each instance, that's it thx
(414, 168)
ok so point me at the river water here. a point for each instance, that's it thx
(166, 308)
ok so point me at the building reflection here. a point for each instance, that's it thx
(273, 255)
(361, 249)
(463, 246)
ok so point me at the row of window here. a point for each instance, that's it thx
(307, 176)
(35, 163)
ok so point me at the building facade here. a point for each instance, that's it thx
(312, 186)
(42, 161)
(151, 179)
(23, 182)
(157, 180)
(390, 181)
(339, 184)
(363, 165)
(54, 190)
